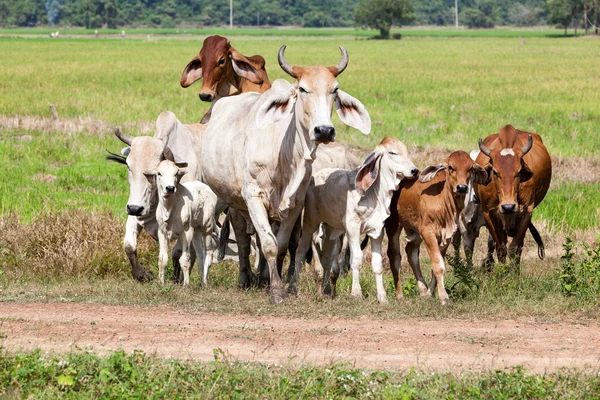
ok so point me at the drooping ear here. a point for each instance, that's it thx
(244, 67)
(191, 73)
(368, 172)
(182, 171)
(525, 172)
(181, 164)
(126, 150)
(480, 175)
(276, 108)
(352, 112)
(150, 173)
(429, 172)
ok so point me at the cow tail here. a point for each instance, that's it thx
(224, 238)
(538, 239)
(364, 243)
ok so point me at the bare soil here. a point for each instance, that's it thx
(445, 345)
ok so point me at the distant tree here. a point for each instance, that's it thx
(382, 14)
(564, 12)
(482, 16)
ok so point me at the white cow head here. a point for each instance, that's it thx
(312, 97)
(168, 174)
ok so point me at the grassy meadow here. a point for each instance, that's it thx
(62, 206)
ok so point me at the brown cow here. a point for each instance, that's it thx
(521, 171)
(224, 71)
(428, 210)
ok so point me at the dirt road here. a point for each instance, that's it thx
(445, 345)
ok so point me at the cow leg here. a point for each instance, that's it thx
(413, 247)
(469, 245)
(335, 264)
(132, 231)
(456, 238)
(242, 237)
(293, 246)
(175, 256)
(356, 257)
(186, 240)
(393, 233)
(377, 265)
(199, 246)
(329, 248)
(438, 266)
(268, 241)
(304, 243)
(344, 255)
(317, 250)
(497, 232)
(163, 257)
(261, 266)
(516, 245)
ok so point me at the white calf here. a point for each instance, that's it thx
(185, 211)
(354, 202)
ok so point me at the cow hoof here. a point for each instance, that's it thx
(382, 299)
(445, 302)
(277, 296)
(293, 290)
(143, 276)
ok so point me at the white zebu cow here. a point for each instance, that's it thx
(354, 202)
(186, 211)
(258, 151)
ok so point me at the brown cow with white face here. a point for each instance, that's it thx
(428, 210)
(520, 170)
(224, 71)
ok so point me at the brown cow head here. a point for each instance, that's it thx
(508, 167)
(217, 63)
(461, 171)
(312, 96)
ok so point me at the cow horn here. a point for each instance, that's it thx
(484, 149)
(168, 154)
(338, 69)
(228, 43)
(123, 137)
(284, 64)
(525, 149)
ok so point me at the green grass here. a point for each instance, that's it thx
(571, 206)
(506, 32)
(82, 375)
(444, 92)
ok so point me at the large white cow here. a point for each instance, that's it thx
(258, 151)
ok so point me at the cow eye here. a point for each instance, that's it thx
(393, 153)
(159, 174)
(302, 90)
(222, 61)
(335, 90)
(496, 173)
(450, 168)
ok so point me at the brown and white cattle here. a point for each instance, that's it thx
(520, 169)
(428, 210)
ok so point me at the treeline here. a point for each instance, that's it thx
(308, 13)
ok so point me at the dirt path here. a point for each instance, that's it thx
(445, 345)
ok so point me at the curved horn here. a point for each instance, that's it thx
(228, 43)
(338, 69)
(284, 64)
(484, 149)
(168, 154)
(525, 149)
(123, 137)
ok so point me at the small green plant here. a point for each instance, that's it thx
(580, 276)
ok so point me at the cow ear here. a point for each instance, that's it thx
(276, 108)
(352, 112)
(150, 173)
(480, 175)
(191, 73)
(181, 164)
(182, 171)
(429, 172)
(368, 172)
(125, 151)
(525, 173)
(244, 67)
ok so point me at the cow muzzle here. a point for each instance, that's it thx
(324, 134)
(133, 210)
(206, 97)
(461, 188)
(508, 208)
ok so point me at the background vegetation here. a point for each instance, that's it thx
(306, 13)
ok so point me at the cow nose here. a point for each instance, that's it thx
(414, 172)
(325, 133)
(170, 189)
(134, 210)
(205, 96)
(461, 188)
(508, 208)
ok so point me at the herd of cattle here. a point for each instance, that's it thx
(264, 155)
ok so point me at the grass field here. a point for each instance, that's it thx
(62, 205)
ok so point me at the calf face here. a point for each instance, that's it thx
(217, 63)
(509, 170)
(313, 95)
(167, 175)
(390, 158)
(460, 171)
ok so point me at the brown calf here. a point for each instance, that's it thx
(521, 171)
(428, 210)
